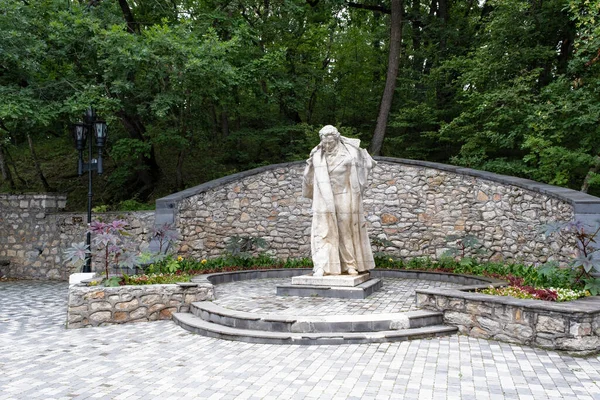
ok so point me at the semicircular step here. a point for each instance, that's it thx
(217, 314)
(197, 325)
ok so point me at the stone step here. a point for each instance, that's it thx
(214, 313)
(195, 324)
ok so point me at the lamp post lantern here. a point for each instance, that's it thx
(82, 131)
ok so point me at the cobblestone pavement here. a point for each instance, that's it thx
(259, 295)
(39, 359)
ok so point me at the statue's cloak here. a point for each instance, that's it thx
(325, 234)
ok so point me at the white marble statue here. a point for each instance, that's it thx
(335, 178)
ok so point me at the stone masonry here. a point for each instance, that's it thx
(99, 306)
(34, 234)
(573, 326)
(414, 207)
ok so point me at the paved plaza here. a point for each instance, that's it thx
(40, 359)
(259, 295)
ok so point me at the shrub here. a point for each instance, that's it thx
(110, 239)
(154, 279)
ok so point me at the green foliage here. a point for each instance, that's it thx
(125, 205)
(592, 285)
(587, 259)
(463, 245)
(380, 245)
(154, 279)
(547, 275)
(198, 90)
(304, 262)
(561, 293)
(113, 281)
(133, 205)
(168, 265)
(240, 247)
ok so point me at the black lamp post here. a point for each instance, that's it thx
(81, 132)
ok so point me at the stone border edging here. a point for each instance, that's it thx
(214, 313)
(245, 275)
(197, 325)
(585, 305)
(469, 281)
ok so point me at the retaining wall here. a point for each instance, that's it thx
(572, 326)
(34, 234)
(415, 205)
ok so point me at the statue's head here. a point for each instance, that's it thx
(330, 137)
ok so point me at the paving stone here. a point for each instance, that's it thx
(397, 295)
(39, 358)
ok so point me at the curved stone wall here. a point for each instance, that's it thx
(416, 205)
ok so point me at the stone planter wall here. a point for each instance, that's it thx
(100, 306)
(571, 326)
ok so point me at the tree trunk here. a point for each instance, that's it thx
(147, 176)
(443, 15)
(6, 175)
(132, 26)
(566, 47)
(433, 12)
(179, 170)
(415, 21)
(224, 124)
(37, 166)
(390, 80)
(593, 170)
(14, 166)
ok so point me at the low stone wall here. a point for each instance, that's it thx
(34, 234)
(571, 326)
(100, 306)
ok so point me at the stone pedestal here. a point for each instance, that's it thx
(331, 280)
(337, 286)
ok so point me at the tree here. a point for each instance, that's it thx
(390, 81)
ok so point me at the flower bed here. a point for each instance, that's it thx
(528, 292)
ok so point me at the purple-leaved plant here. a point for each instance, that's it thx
(587, 257)
(166, 235)
(77, 254)
(110, 240)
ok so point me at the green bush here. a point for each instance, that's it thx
(544, 276)
(547, 275)
(154, 279)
